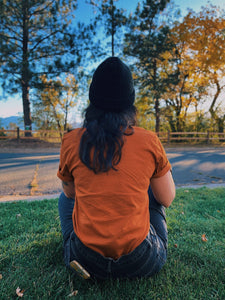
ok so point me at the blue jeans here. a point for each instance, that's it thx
(144, 261)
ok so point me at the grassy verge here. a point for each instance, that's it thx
(31, 253)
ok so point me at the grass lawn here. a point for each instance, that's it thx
(31, 254)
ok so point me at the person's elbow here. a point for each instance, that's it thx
(163, 189)
(69, 189)
(70, 195)
(170, 197)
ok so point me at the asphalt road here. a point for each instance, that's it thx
(35, 173)
(27, 174)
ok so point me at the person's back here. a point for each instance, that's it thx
(108, 166)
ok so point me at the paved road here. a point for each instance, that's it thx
(35, 173)
(199, 166)
(27, 174)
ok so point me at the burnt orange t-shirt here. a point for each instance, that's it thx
(111, 211)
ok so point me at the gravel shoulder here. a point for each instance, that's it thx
(27, 146)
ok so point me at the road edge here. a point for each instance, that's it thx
(15, 198)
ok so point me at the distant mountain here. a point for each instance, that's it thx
(4, 122)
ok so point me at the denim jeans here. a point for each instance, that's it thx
(144, 261)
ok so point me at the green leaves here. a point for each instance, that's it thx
(148, 42)
(33, 41)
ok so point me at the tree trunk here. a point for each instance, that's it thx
(112, 44)
(113, 27)
(211, 109)
(220, 122)
(25, 73)
(26, 109)
(178, 122)
(66, 117)
(157, 115)
(214, 116)
(157, 109)
(57, 119)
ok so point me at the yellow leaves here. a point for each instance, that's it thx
(166, 55)
(135, 76)
(58, 92)
(202, 32)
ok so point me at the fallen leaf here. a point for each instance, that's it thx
(19, 292)
(204, 239)
(74, 293)
(175, 245)
(0, 276)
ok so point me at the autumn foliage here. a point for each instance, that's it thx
(178, 62)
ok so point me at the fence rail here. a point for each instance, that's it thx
(19, 134)
(197, 137)
(166, 137)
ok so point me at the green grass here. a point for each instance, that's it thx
(31, 253)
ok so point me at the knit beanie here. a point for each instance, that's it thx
(112, 87)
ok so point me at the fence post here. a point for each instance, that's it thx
(168, 137)
(18, 133)
(208, 137)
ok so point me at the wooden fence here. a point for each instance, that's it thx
(53, 136)
(192, 137)
(166, 137)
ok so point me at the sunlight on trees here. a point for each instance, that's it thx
(36, 39)
(54, 102)
(178, 63)
(206, 41)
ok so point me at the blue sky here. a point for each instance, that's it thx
(13, 105)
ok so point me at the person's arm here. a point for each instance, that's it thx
(163, 189)
(69, 189)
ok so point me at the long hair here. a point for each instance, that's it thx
(101, 143)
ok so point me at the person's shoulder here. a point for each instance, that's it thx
(73, 135)
(73, 132)
(148, 137)
(144, 132)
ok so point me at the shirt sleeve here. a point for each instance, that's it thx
(162, 164)
(63, 172)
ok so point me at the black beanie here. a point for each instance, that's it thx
(112, 87)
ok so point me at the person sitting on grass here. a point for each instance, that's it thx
(116, 182)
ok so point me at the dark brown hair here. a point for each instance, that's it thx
(101, 143)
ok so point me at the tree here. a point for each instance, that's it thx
(53, 103)
(35, 36)
(145, 110)
(112, 18)
(187, 88)
(147, 41)
(205, 37)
